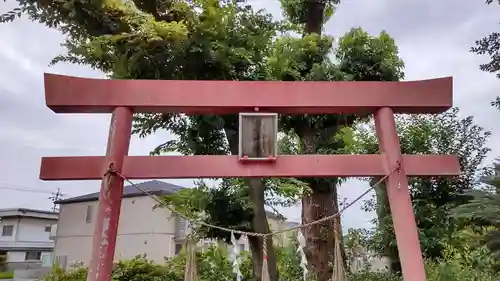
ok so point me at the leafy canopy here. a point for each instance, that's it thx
(432, 198)
(486, 207)
(490, 46)
(220, 40)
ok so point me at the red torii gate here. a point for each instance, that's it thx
(122, 98)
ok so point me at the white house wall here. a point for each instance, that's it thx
(141, 230)
(16, 256)
(27, 233)
(33, 230)
(6, 241)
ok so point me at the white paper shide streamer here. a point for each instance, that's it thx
(235, 257)
(303, 260)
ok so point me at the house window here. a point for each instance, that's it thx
(88, 217)
(48, 227)
(7, 230)
(178, 248)
(33, 256)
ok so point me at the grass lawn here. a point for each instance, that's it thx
(6, 275)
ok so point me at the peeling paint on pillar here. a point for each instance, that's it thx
(106, 225)
(405, 227)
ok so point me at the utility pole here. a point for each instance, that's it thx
(55, 197)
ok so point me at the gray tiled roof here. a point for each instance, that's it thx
(154, 187)
(25, 210)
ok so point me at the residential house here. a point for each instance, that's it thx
(361, 259)
(142, 228)
(25, 237)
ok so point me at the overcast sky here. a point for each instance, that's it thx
(434, 38)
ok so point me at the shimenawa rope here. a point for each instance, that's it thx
(197, 221)
(190, 272)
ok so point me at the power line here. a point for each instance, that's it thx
(3, 183)
(24, 189)
(56, 196)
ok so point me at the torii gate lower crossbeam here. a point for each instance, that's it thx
(124, 97)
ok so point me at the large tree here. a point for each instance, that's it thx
(359, 57)
(490, 46)
(164, 39)
(484, 209)
(432, 198)
(227, 40)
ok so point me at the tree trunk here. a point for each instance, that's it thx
(322, 201)
(320, 238)
(385, 225)
(260, 223)
(315, 14)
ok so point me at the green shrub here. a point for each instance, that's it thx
(374, 276)
(74, 273)
(6, 275)
(451, 270)
(436, 271)
(214, 265)
(140, 268)
(454, 271)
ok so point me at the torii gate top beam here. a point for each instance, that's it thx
(124, 97)
(66, 94)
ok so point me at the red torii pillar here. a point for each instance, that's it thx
(66, 94)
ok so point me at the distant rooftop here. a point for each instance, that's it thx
(25, 212)
(155, 187)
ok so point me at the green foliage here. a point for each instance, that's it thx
(436, 271)
(289, 57)
(221, 40)
(140, 268)
(357, 242)
(357, 237)
(467, 248)
(182, 40)
(76, 272)
(485, 207)
(296, 10)
(496, 103)
(228, 204)
(223, 206)
(360, 57)
(454, 271)
(375, 276)
(433, 198)
(213, 265)
(464, 258)
(7, 275)
(490, 46)
(366, 58)
(289, 262)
